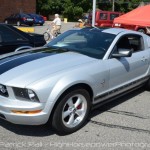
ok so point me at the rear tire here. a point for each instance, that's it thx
(46, 36)
(71, 112)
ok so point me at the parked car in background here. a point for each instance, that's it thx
(19, 19)
(104, 18)
(12, 39)
(38, 19)
(61, 82)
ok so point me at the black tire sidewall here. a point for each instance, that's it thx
(57, 117)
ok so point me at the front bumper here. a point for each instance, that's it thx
(7, 105)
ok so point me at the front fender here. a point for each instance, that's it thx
(68, 81)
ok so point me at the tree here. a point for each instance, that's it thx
(120, 5)
(47, 7)
(74, 9)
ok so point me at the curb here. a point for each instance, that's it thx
(26, 29)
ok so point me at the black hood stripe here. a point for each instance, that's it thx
(9, 63)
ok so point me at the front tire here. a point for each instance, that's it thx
(71, 112)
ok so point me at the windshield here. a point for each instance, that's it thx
(92, 42)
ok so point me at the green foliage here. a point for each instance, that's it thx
(120, 5)
(74, 9)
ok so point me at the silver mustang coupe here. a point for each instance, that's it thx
(62, 81)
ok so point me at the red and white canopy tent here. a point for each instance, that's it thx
(139, 16)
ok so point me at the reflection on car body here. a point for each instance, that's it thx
(64, 79)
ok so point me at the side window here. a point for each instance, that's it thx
(9, 35)
(113, 16)
(133, 42)
(136, 42)
(103, 16)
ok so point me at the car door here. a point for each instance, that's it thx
(127, 72)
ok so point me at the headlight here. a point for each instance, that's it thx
(25, 94)
(32, 95)
(3, 90)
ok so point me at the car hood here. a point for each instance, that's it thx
(22, 69)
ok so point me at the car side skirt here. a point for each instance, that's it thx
(114, 94)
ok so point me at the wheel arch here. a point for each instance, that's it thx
(85, 86)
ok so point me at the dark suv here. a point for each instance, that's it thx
(19, 19)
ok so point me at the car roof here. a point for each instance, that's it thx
(114, 31)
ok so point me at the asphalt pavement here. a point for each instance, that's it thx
(65, 27)
(123, 124)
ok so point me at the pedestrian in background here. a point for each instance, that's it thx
(56, 23)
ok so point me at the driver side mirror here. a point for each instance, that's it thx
(122, 53)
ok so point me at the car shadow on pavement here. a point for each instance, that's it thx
(38, 131)
(46, 130)
(108, 108)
